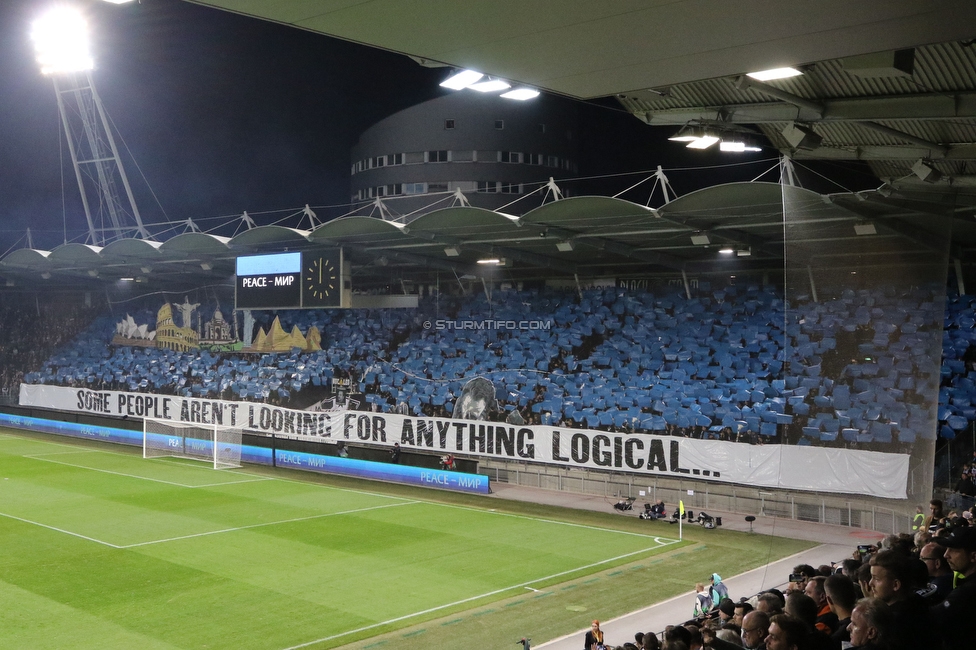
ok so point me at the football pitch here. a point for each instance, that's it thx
(103, 549)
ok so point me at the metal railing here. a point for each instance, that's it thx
(872, 514)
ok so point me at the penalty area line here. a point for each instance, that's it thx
(489, 594)
(142, 478)
(60, 530)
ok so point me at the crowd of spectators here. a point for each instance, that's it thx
(908, 592)
(739, 363)
(30, 334)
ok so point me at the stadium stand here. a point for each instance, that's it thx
(735, 363)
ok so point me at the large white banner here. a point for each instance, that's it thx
(818, 469)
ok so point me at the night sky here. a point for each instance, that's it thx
(223, 113)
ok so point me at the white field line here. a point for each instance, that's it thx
(470, 599)
(143, 478)
(211, 532)
(656, 538)
(46, 442)
(60, 530)
(268, 523)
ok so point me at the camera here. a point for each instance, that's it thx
(863, 548)
(797, 577)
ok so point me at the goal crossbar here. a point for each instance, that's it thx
(217, 445)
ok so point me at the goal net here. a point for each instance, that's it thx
(219, 445)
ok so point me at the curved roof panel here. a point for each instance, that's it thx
(196, 243)
(27, 258)
(584, 212)
(731, 199)
(359, 230)
(270, 236)
(121, 249)
(464, 223)
(74, 254)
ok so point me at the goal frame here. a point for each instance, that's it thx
(217, 445)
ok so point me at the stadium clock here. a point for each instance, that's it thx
(320, 279)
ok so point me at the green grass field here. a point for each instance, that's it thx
(103, 549)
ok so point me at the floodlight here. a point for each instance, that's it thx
(119, 2)
(490, 86)
(865, 229)
(700, 240)
(61, 41)
(461, 79)
(744, 252)
(206, 266)
(452, 251)
(521, 94)
(736, 146)
(726, 251)
(703, 142)
(565, 246)
(773, 74)
(494, 261)
(688, 133)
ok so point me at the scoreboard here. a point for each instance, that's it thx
(289, 280)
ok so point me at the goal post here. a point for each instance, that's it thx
(213, 444)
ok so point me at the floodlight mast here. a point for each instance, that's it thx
(61, 42)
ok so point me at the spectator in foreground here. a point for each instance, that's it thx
(841, 597)
(931, 522)
(826, 620)
(864, 580)
(891, 581)
(726, 610)
(957, 612)
(755, 628)
(939, 574)
(771, 603)
(798, 579)
(871, 625)
(785, 633)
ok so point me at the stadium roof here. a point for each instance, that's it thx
(580, 237)
(674, 63)
(910, 112)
